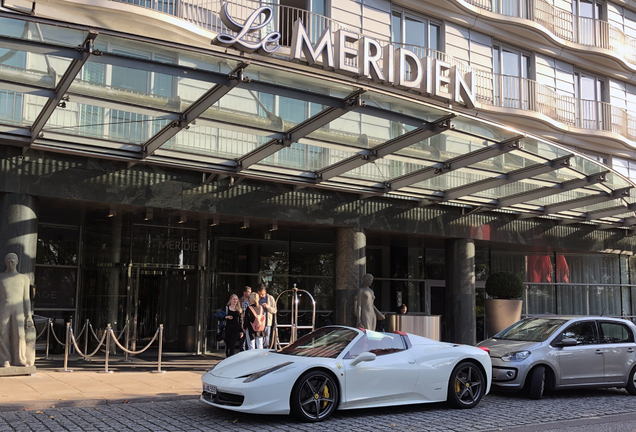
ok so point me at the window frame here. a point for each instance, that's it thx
(426, 20)
(624, 326)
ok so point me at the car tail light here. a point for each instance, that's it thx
(401, 333)
(485, 349)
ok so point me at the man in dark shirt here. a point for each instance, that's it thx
(269, 305)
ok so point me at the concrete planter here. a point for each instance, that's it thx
(501, 313)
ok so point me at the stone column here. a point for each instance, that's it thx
(19, 231)
(350, 268)
(460, 292)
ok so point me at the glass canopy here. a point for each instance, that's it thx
(68, 89)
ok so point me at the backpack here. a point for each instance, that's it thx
(259, 321)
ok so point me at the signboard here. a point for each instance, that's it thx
(354, 55)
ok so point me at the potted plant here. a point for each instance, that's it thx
(503, 305)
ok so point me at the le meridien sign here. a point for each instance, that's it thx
(351, 54)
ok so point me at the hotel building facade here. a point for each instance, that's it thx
(159, 155)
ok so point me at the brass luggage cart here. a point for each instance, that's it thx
(293, 326)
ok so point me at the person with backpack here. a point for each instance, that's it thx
(254, 322)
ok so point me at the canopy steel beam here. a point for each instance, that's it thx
(384, 149)
(455, 163)
(551, 190)
(299, 131)
(215, 78)
(36, 47)
(511, 177)
(586, 201)
(608, 212)
(193, 111)
(86, 49)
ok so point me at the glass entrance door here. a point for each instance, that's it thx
(165, 296)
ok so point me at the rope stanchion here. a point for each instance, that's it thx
(83, 354)
(127, 342)
(54, 335)
(154, 338)
(86, 324)
(109, 330)
(93, 331)
(49, 324)
(121, 332)
(68, 332)
(160, 349)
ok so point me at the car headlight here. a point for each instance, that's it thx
(516, 356)
(257, 375)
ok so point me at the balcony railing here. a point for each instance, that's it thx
(567, 26)
(491, 89)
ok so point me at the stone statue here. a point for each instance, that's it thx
(366, 312)
(16, 320)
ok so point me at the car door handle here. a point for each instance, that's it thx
(630, 350)
(411, 361)
(598, 351)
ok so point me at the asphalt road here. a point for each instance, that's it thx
(593, 410)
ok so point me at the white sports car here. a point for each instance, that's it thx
(339, 367)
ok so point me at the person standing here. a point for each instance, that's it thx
(252, 314)
(233, 326)
(245, 303)
(269, 305)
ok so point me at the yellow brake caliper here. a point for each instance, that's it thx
(457, 386)
(325, 393)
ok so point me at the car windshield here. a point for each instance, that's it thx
(531, 330)
(326, 342)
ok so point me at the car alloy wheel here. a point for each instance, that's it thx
(631, 382)
(466, 386)
(315, 396)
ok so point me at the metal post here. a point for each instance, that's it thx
(71, 348)
(86, 330)
(108, 333)
(126, 359)
(294, 334)
(160, 349)
(68, 332)
(48, 336)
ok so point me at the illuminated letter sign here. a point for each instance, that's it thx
(248, 27)
(354, 55)
(301, 45)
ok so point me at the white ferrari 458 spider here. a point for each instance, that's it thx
(339, 367)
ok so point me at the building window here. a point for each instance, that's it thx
(11, 101)
(588, 23)
(312, 13)
(625, 167)
(99, 121)
(516, 8)
(512, 70)
(416, 31)
(591, 112)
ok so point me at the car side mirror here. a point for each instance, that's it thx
(567, 342)
(363, 357)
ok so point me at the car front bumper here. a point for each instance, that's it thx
(259, 397)
(509, 375)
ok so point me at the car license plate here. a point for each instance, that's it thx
(209, 388)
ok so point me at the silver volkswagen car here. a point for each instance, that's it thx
(560, 352)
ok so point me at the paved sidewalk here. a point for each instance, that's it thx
(87, 386)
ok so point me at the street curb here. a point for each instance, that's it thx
(41, 405)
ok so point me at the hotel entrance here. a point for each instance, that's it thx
(168, 296)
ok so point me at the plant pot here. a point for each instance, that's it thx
(501, 314)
